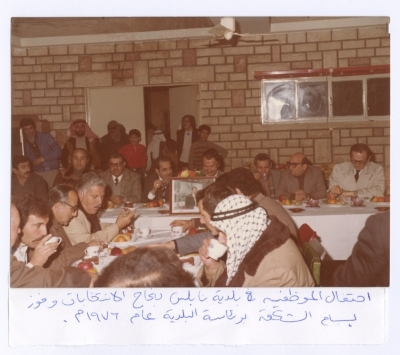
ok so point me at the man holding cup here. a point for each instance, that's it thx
(28, 219)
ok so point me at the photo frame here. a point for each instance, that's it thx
(182, 190)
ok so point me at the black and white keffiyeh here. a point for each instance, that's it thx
(243, 222)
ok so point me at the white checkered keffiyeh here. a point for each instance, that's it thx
(241, 231)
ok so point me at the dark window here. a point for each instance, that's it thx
(347, 98)
(378, 96)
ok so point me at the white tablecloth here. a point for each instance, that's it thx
(337, 226)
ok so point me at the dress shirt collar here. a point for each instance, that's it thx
(115, 177)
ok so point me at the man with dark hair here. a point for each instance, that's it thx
(190, 200)
(359, 176)
(302, 180)
(24, 181)
(263, 174)
(29, 218)
(82, 137)
(113, 141)
(41, 149)
(200, 146)
(260, 251)
(156, 184)
(212, 163)
(185, 137)
(63, 202)
(146, 267)
(86, 226)
(123, 185)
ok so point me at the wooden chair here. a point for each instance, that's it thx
(313, 251)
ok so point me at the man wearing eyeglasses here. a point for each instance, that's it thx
(123, 185)
(301, 181)
(359, 176)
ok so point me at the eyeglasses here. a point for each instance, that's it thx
(359, 162)
(116, 165)
(292, 165)
(73, 208)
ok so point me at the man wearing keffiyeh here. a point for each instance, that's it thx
(260, 251)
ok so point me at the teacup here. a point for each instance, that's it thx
(92, 251)
(357, 201)
(313, 203)
(216, 249)
(177, 231)
(54, 239)
(144, 232)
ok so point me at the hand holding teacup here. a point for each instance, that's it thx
(43, 250)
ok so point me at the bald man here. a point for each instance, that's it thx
(301, 181)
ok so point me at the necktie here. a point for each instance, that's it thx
(116, 181)
(357, 174)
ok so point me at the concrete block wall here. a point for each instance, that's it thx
(50, 82)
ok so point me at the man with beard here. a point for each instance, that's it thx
(28, 233)
(41, 149)
(156, 184)
(82, 137)
(24, 181)
(112, 142)
(86, 226)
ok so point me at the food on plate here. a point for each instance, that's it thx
(128, 249)
(189, 260)
(126, 237)
(155, 203)
(92, 259)
(116, 251)
(378, 199)
(85, 265)
(192, 230)
(333, 201)
(287, 201)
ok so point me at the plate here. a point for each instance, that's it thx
(292, 205)
(333, 205)
(382, 209)
(296, 210)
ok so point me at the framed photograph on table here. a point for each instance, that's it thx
(183, 193)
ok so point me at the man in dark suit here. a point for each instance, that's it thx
(369, 262)
(190, 200)
(123, 185)
(156, 184)
(301, 181)
(185, 137)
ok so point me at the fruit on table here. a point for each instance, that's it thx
(92, 271)
(116, 251)
(192, 230)
(378, 199)
(282, 197)
(85, 265)
(331, 201)
(128, 250)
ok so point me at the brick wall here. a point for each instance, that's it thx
(50, 82)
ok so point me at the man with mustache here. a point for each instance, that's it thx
(86, 226)
(24, 181)
(28, 233)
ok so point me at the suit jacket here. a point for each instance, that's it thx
(78, 230)
(131, 187)
(180, 135)
(314, 183)
(369, 262)
(371, 181)
(189, 202)
(148, 185)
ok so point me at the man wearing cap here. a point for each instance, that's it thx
(82, 137)
(41, 149)
(113, 141)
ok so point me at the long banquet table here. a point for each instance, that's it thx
(338, 226)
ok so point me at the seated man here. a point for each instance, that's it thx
(29, 219)
(190, 200)
(260, 252)
(63, 202)
(359, 176)
(123, 185)
(156, 184)
(200, 146)
(146, 267)
(212, 161)
(24, 180)
(369, 262)
(263, 174)
(243, 182)
(301, 181)
(86, 226)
